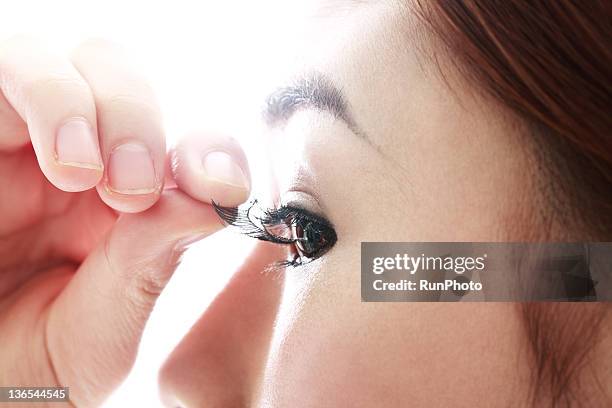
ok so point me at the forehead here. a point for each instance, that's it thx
(369, 52)
(380, 58)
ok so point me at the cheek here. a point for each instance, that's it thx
(316, 344)
(330, 349)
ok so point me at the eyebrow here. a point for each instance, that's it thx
(314, 91)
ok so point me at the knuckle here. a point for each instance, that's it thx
(134, 281)
(152, 276)
(130, 101)
(55, 82)
(129, 106)
(98, 43)
(149, 285)
(24, 82)
(147, 280)
(139, 290)
(54, 87)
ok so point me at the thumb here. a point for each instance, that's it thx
(94, 326)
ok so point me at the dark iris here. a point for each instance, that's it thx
(312, 238)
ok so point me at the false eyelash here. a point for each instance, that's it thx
(256, 225)
(255, 222)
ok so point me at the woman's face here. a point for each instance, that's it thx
(415, 156)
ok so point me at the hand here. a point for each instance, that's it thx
(80, 268)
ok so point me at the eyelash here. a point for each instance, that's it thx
(288, 219)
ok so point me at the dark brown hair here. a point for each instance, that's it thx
(549, 63)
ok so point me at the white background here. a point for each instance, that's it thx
(211, 63)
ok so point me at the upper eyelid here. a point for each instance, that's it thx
(241, 219)
(320, 219)
(305, 199)
(307, 214)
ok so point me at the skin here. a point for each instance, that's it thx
(442, 163)
(81, 261)
(82, 268)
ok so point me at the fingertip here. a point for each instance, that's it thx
(212, 168)
(77, 163)
(70, 175)
(224, 195)
(73, 178)
(133, 179)
(128, 203)
(69, 156)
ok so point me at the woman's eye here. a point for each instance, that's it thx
(311, 238)
(309, 235)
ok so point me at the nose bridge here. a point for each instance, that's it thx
(220, 361)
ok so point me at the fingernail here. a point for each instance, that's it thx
(131, 170)
(76, 145)
(221, 168)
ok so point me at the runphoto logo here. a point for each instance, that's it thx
(413, 264)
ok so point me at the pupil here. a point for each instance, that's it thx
(310, 238)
